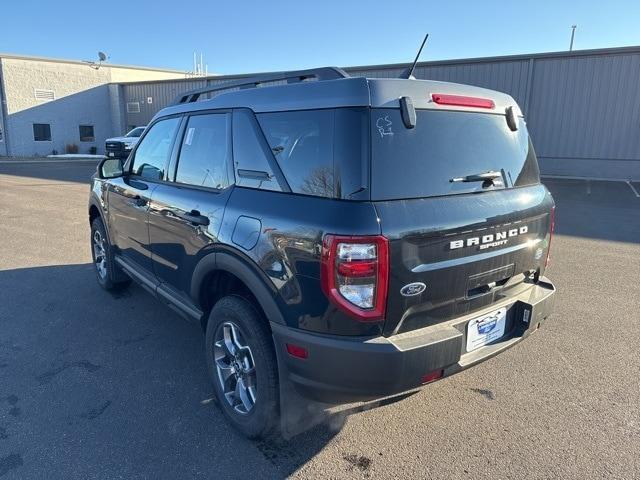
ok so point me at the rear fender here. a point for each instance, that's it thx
(244, 269)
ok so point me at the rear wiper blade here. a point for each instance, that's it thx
(489, 176)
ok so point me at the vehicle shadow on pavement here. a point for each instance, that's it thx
(115, 385)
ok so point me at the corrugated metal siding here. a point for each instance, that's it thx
(582, 108)
(161, 93)
(586, 107)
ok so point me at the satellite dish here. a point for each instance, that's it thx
(102, 56)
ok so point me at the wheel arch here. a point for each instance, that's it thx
(95, 211)
(233, 265)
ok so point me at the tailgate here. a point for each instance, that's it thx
(453, 255)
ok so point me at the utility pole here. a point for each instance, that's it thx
(573, 32)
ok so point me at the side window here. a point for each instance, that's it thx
(302, 143)
(250, 154)
(204, 154)
(154, 150)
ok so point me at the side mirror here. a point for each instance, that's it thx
(110, 168)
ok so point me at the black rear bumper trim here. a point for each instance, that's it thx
(344, 369)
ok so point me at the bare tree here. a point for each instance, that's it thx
(319, 182)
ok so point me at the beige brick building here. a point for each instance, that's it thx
(47, 104)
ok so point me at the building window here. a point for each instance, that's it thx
(42, 132)
(133, 107)
(86, 133)
(44, 95)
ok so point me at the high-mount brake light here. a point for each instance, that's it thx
(552, 227)
(355, 274)
(462, 101)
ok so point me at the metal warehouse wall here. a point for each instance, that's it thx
(582, 107)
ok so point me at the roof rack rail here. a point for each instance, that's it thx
(323, 73)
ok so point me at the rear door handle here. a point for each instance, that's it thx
(195, 218)
(138, 201)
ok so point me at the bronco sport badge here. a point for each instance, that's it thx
(490, 240)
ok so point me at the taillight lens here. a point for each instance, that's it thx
(552, 227)
(355, 273)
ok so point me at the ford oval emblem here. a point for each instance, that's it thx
(412, 289)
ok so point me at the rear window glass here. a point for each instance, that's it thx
(251, 154)
(320, 152)
(302, 143)
(420, 162)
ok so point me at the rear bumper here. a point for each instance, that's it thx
(342, 369)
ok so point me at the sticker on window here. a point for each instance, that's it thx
(383, 124)
(189, 138)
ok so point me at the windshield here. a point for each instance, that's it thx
(420, 162)
(136, 132)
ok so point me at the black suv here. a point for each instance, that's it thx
(339, 239)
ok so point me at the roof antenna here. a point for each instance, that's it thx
(408, 73)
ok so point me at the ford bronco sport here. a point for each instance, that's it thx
(351, 238)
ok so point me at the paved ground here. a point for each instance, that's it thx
(100, 386)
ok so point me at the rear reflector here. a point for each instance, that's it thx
(433, 376)
(297, 351)
(462, 101)
(552, 227)
(358, 268)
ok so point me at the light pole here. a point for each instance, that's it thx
(573, 32)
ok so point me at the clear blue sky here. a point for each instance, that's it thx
(251, 36)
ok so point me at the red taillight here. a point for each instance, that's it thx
(552, 227)
(355, 274)
(462, 101)
(297, 351)
(358, 268)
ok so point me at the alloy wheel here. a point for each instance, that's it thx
(99, 254)
(236, 368)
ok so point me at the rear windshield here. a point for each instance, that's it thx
(420, 162)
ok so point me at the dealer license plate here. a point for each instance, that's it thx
(486, 329)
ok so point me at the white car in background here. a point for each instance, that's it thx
(120, 147)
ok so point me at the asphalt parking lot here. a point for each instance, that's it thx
(94, 385)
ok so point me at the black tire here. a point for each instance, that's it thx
(110, 276)
(262, 420)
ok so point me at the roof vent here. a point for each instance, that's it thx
(133, 107)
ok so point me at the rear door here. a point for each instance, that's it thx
(456, 246)
(187, 211)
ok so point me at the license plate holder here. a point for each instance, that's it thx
(486, 329)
